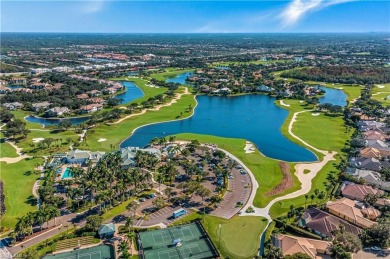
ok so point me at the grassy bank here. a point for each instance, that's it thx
(239, 235)
(169, 72)
(6, 150)
(18, 179)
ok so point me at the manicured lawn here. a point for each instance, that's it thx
(376, 88)
(266, 170)
(169, 72)
(116, 133)
(117, 209)
(6, 150)
(239, 235)
(382, 97)
(18, 179)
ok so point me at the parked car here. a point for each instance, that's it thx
(152, 195)
(242, 172)
(141, 199)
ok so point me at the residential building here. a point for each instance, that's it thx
(370, 177)
(345, 208)
(325, 224)
(42, 105)
(372, 164)
(358, 191)
(91, 108)
(290, 245)
(19, 81)
(82, 96)
(370, 152)
(57, 111)
(375, 135)
(13, 106)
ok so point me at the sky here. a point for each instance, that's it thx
(279, 16)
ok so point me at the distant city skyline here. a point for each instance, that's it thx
(195, 16)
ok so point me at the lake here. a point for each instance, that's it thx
(252, 117)
(132, 92)
(55, 121)
(180, 79)
(333, 96)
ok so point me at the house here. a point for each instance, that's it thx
(325, 224)
(264, 88)
(370, 177)
(375, 135)
(42, 105)
(366, 125)
(3, 83)
(378, 144)
(290, 245)
(96, 100)
(110, 90)
(57, 111)
(106, 230)
(37, 86)
(358, 191)
(19, 81)
(345, 208)
(4, 90)
(372, 164)
(94, 93)
(370, 152)
(82, 157)
(13, 106)
(82, 96)
(128, 155)
(91, 108)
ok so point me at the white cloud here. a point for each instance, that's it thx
(297, 9)
(93, 6)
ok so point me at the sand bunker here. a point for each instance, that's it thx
(284, 104)
(102, 140)
(37, 140)
(380, 86)
(249, 147)
(315, 114)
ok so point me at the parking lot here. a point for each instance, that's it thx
(238, 191)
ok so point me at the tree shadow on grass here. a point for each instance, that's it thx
(31, 200)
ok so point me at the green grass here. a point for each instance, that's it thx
(115, 133)
(18, 182)
(382, 97)
(6, 150)
(169, 72)
(239, 235)
(266, 170)
(117, 209)
(141, 83)
(74, 242)
(352, 91)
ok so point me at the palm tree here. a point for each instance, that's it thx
(159, 179)
(306, 197)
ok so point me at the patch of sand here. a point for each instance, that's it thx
(249, 147)
(284, 104)
(301, 101)
(315, 114)
(341, 88)
(37, 140)
(380, 86)
(102, 140)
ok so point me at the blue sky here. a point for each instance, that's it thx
(196, 16)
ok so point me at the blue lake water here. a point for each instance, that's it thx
(252, 117)
(180, 79)
(15, 86)
(132, 93)
(52, 121)
(333, 96)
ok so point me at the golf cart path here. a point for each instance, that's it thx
(11, 160)
(304, 178)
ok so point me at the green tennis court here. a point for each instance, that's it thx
(96, 252)
(159, 244)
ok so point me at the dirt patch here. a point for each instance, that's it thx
(287, 181)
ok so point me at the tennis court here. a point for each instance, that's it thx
(195, 243)
(96, 252)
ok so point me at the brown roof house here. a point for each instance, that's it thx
(345, 208)
(91, 108)
(325, 224)
(290, 245)
(358, 191)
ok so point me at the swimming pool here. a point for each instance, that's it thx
(67, 174)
